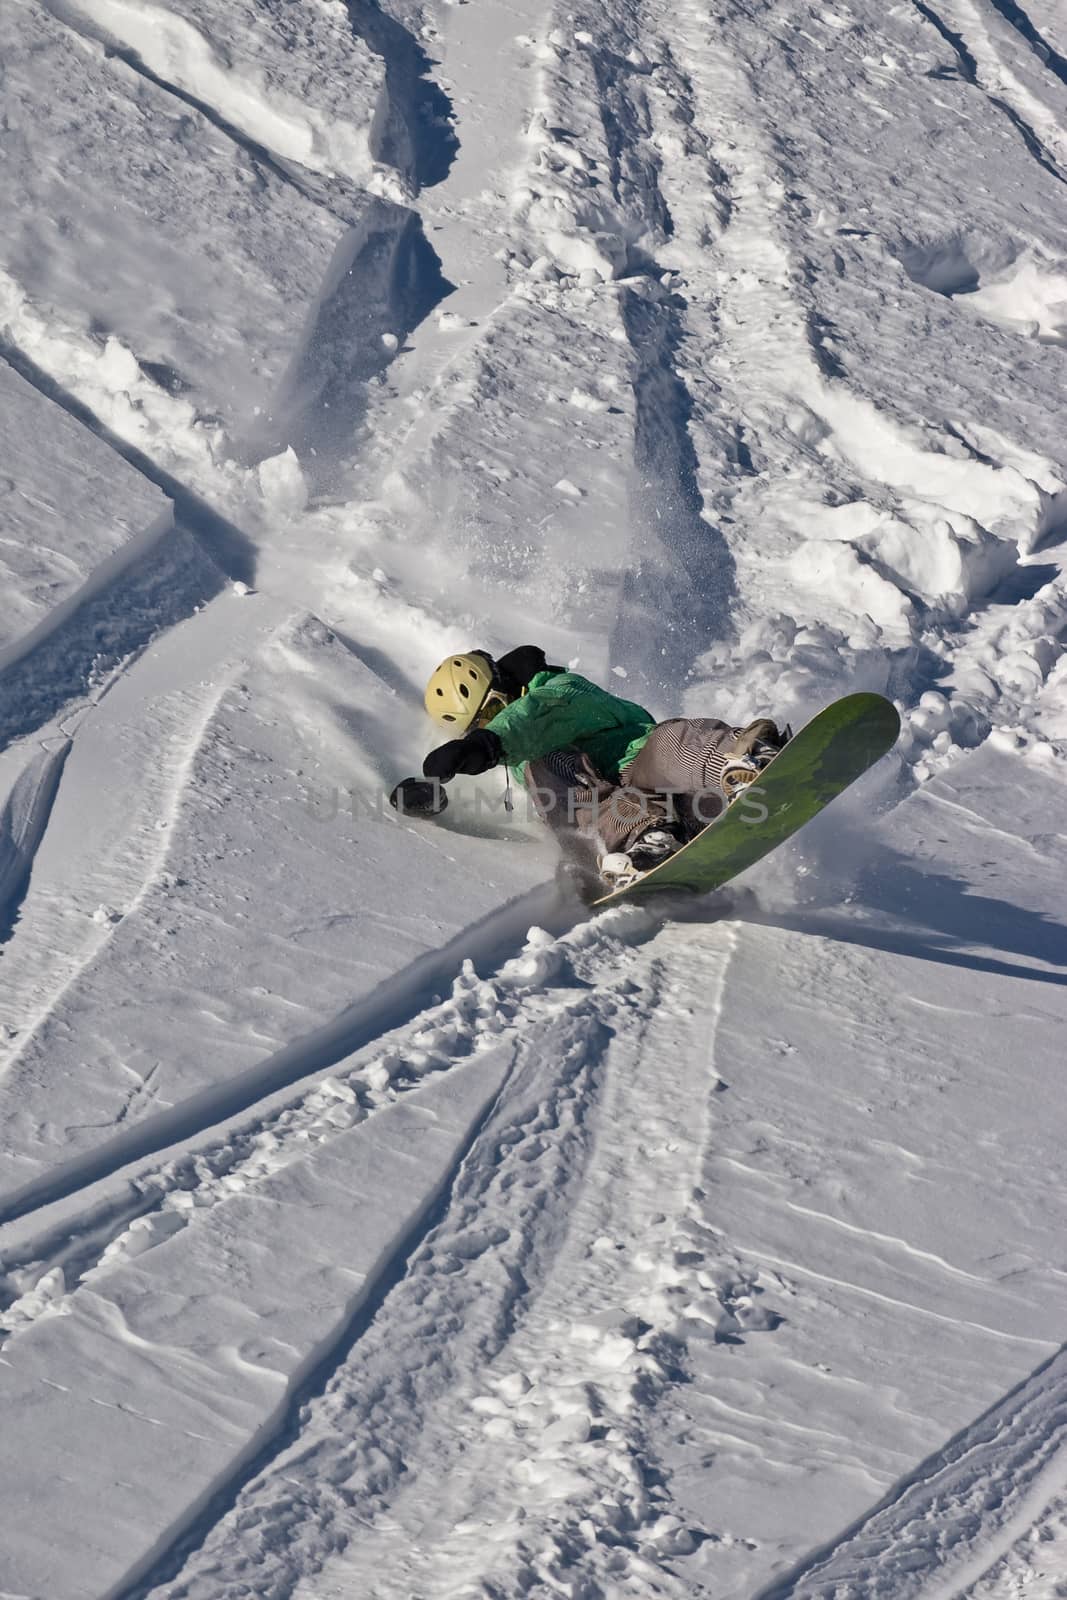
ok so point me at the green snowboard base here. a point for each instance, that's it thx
(832, 751)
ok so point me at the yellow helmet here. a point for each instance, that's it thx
(459, 689)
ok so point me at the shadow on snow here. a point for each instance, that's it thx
(933, 917)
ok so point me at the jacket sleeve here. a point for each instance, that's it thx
(556, 714)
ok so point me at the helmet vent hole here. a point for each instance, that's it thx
(464, 691)
(440, 694)
(448, 717)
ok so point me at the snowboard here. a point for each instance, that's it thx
(830, 752)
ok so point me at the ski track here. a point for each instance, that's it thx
(955, 1516)
(548, 1343)
(977, 62)
(1049, 57)
(42, 943)
(393, 1002)
(23, 819)
(342, 200)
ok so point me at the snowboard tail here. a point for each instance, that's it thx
(827, 755)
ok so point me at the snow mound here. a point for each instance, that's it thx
(282, 483)
(1031, 297)
(107, 376)
(949, 561)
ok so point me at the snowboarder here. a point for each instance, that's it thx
(594, 763)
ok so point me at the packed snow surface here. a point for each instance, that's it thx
(374, 1221)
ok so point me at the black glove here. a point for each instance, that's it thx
(475, 752)
(519, 665)
(412, 797)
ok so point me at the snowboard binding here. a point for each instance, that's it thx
(621, 868)
(755, 748)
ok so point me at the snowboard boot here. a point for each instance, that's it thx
(755, 747)
(623, 867)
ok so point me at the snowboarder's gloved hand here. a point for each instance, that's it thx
(475, 752)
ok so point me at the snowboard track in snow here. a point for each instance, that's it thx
(23, 820)
(570, 986)
(1023, 25)
(681, 576)
(415, 100)
(205, 1173)
(167, 1562)
(412, 1380)
(574, 986)
(340, 198)
(168, 1569)
(693, 598)
(223, 542)
(954, 1515)
(394, 1003)
(969, 72)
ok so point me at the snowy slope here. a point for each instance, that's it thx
(69, 505)
(370, 1222)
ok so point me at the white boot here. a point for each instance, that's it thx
(623, 867)
(617, 869)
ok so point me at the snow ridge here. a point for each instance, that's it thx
(289, 145)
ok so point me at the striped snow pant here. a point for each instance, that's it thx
(673, 778)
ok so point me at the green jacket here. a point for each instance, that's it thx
(561, 708)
